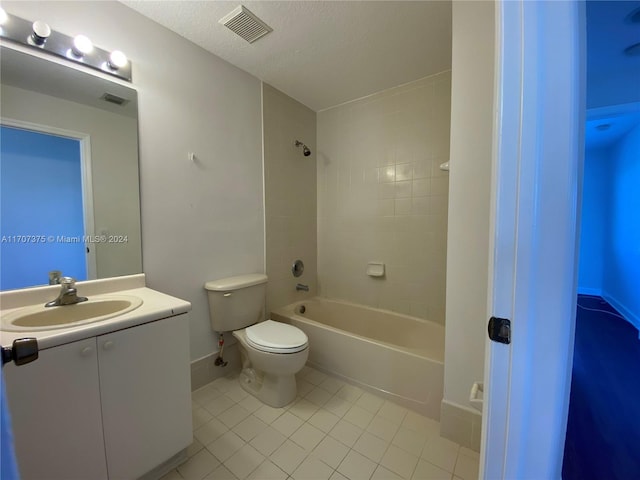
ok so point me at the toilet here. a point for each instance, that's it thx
(271, 352)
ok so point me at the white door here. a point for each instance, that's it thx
(540, 92)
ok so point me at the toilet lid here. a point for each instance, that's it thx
(276, 337)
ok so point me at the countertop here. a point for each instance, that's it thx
(155, 306)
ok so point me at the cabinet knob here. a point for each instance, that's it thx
(108, 345)
(86, 351)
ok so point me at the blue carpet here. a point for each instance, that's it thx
(603, 430)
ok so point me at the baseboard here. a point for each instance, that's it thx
(461, 424)
(165, 467)
(204, 370)
(590, 291)
(628, 315)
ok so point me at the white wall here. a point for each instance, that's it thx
(609, 88)
(114, 167)
(382, 197)
(469, 211)
(621, 255)
(290, 197)
(201, 220)
(593, 221)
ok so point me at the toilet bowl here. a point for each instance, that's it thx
(272, 353)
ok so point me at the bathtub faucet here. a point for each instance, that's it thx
(304, 288)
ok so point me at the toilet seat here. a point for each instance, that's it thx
(276, 337)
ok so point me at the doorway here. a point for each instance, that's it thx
(603, 428)
(44, 186)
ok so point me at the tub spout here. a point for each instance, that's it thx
(304, 288)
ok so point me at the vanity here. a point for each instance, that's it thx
(105, 399)
(109, 395)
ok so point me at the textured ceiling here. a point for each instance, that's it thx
(609, 32)
(612, 76)
(322, 53)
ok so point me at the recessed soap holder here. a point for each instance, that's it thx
(375, 269)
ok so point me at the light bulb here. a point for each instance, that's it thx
(117, 60)
(81, 46)
(41, 31)
(3, 16)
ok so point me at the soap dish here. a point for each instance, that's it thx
(375, 269)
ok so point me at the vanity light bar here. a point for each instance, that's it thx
(38, 35)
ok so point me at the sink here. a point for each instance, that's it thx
(49, 318)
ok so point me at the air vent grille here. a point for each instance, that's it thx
(245, 24)
(111, 98)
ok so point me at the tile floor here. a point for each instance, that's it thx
(333, 430)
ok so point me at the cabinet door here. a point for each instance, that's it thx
(145, 389)
(55, 414)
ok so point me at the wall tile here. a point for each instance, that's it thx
(404, 171)
(398, 139)
(422, 168)
(291, 201)
(386, 190)
(440, 186)
(387, 174)
(420, 206)
(385, 208)
(402, 206)
(421, 187)
(403, 189)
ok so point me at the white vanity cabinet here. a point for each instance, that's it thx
(112, 406)
(145, 384)
(55, 413)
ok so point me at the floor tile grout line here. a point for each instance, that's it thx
(332, 396)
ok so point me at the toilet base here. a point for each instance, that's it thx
(274, 390)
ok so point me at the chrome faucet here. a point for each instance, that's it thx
(304, 288)
(68, 294)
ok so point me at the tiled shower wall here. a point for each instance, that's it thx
(382, 197)
(290, 196)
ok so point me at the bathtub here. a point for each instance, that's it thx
(396, 356)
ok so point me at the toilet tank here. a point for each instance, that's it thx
(236, 302)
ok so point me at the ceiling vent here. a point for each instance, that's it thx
(111, 98)
(246, 24)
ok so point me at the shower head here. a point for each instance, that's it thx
(305, 150)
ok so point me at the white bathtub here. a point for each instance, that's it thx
(398, 356)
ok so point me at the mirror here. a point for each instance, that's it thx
(70, 199)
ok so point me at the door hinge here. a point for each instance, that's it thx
(500, 330)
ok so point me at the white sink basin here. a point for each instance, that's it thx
(50, 318)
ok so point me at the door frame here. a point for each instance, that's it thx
(538, 148)
(87, 183)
